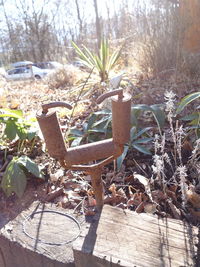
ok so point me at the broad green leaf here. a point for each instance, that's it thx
(97, 130)
(133, 132)
(159, 115)
(135, 113)
(194, 127)
(30, 166)
(11, 129)
(76, 141)
(142, 149)
(91, 121)
(76, 132)
(31, 134)
(192, 116)
(142, 107)
(14, 179)
(121, 158)
(140, 133)
(103, 112)
(102, 120)
(143, 141)
(187, 100)
(18, 114)
(21, 132)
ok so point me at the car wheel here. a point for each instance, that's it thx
(37, 77)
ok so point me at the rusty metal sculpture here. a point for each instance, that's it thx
(106, 150)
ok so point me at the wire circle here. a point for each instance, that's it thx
(46, 242)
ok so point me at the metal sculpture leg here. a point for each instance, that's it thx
(97, 186)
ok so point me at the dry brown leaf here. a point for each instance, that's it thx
(176, 212)
(54, 194)
(71, 195)
(158, 196)
(140, 208)
(14, 104)
(136, 199)
(112, 189)
(150, 207)
(194, 213)
(171, 194)
(173, 187)
(193, 197)
(145, 181)
(121, 192)
(91, 201)
(55, 176)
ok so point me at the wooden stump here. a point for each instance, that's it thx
(129, 239)
(24, 243)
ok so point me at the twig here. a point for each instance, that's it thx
(77, 100)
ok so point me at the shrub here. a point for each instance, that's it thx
(67, 75)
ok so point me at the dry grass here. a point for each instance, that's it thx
(64, 77)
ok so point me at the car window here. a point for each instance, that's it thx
(18, 71)
(26, 70)
(10, 72)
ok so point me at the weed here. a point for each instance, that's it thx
(17, 127)
(16, 174)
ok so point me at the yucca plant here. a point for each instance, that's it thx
(103, 62)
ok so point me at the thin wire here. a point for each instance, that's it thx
(51, 211)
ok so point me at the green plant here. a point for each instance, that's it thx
(98, 125)
(103, 62)
(138, 141)
(194, 117)
(187, 100)
(156, 111)
(139, 137)
(16, 174)
(16, 126)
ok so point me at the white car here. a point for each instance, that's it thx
(27, 72)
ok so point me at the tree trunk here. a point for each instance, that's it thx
(98, 26)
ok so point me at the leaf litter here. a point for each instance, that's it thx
(134, 187)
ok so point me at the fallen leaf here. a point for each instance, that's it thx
(140, 208)
(145, 181)
(171, 194)
(175, 211)
(55, 176)
(150, 207)
(193, 197)
(112, 189)
(91, 201)
(158, 196)
(53, 194)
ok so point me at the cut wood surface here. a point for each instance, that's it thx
(129, 239)
(17, 249)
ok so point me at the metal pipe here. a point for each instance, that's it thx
(121, 119)
(53, 137)
(97, 186)
(90, 152)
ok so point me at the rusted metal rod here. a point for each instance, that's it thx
(97, 186)
(46, 107)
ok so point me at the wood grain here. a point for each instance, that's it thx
(129, 239)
